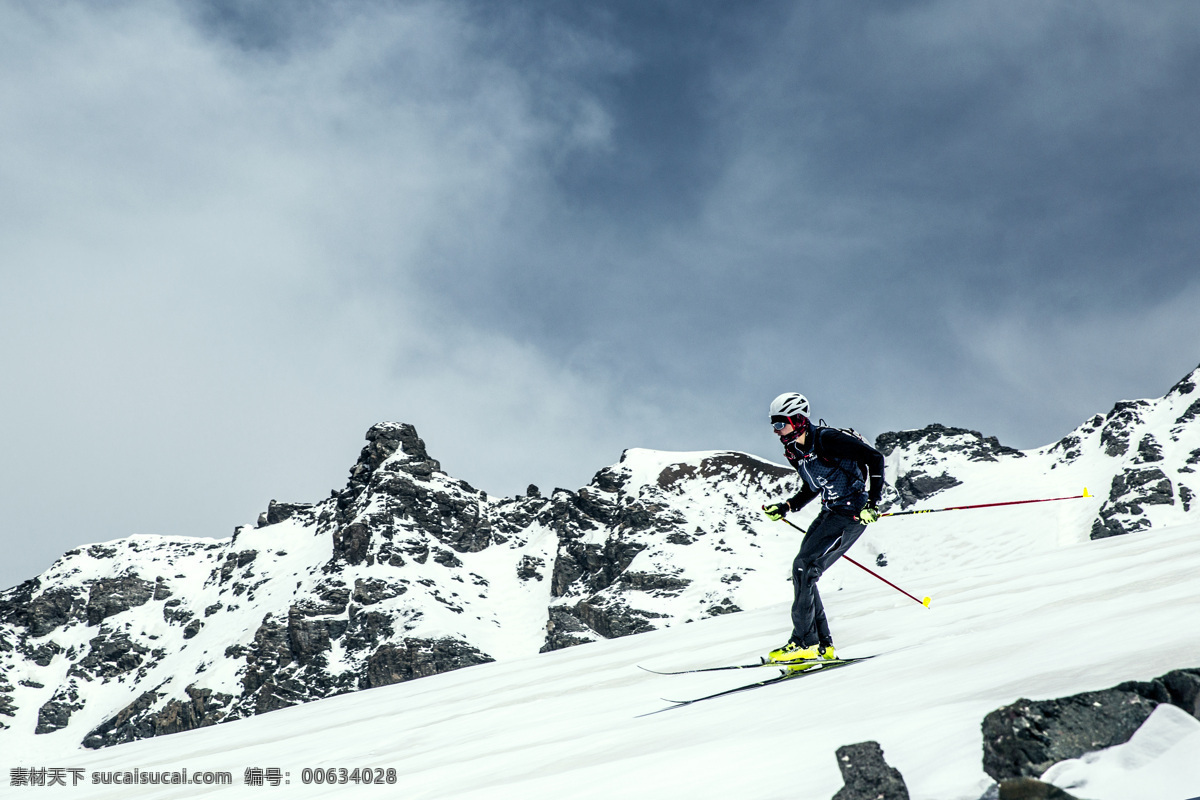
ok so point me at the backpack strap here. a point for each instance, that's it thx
(858, 474)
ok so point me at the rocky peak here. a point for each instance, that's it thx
(922, 463)
(939, 440)
(1186, 385)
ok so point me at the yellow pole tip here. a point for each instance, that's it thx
(1085, 492)
(927, 601)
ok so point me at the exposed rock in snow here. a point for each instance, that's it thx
(1028, 737)
(867, 775)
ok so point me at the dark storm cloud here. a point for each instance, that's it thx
(863, 187)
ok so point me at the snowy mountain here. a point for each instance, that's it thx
(1078, 618)
(408, 572)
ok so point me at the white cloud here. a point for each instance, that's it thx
(213, 265)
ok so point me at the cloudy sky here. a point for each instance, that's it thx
(236, 233)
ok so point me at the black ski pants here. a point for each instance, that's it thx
(830, 535)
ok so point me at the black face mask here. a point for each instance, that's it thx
(800, 426)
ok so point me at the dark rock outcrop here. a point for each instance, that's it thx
(46, 612)
(110, 654)
(416, 658)
(56, 713)
(1119, 425)
(279, 512)
(867, 775)
(111, 596)
(944, 439)
(914, 486)
(1026, 738)
(564, 629)
(1132, 490)
(137, 721)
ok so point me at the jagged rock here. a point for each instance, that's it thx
(307, 638)
(662, 585)
(973, 444)
(56, 713)
(446, 558)
(1190, 413)
(334, 597)
(110, 654)
(1131, 490)
(268, 653)
(564, 629)
(1026, 738)
(592, 567)
(15, 602)
(369, 592)
(1149, 450)
(175, 613)
(43, 654)
(726, 606)
(416, 658)
(612, 617)
(915, 486)
(236, 561)
(1119, 425)
(867, 775)
(138, 721)
(1186, 384)
(53, 609)
(352, 543)
(279, 512)
(111, 596)
(116, 729)
(367, 629)
(529, 566)
(1180, 688)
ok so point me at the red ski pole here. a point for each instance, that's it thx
(986, 505)
(924, 602)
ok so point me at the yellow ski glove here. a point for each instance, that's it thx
(776, 511)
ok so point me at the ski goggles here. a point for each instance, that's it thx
(778, 426)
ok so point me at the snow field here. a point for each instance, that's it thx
(567, 725)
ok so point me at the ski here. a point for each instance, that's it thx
(755, 665)
(710, 669)
(787, 676)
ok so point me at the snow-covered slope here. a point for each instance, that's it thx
(1083, 616)
(408, 572)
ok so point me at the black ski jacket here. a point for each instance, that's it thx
(836, 467)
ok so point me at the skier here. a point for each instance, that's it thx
(835, 466)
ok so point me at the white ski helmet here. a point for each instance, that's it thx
(790, 404)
